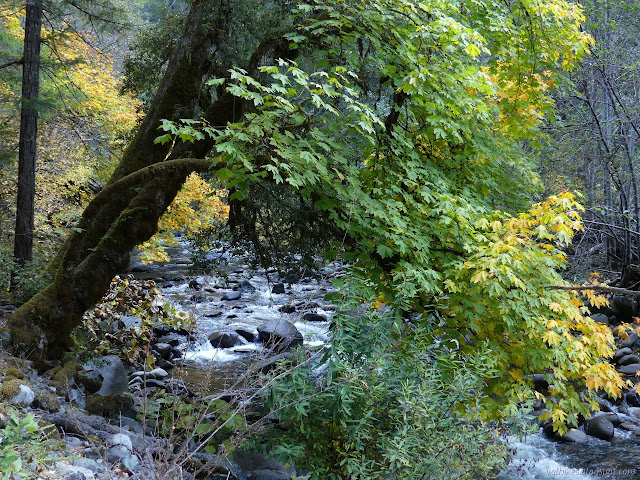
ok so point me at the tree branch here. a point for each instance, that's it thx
(600, 288)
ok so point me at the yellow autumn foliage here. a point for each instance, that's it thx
(196, 207)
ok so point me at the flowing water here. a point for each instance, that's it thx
(216, 369)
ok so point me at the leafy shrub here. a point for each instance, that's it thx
(22, 441)
(103, 332)
(384, 402)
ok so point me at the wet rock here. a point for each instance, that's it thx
(540, 383)
(621, 353)
(171, 339)
(246, 287)
(622, 308)
(158, 374)
(226, 339)
(279, 334)
(629, 359)
(313, 317)
(199, 297)
(257, 466)
(630, 427)
(576, 436)
(599, 427)
(194, 284)
(287, 309)
(277, 288)
(246, 334)
(604, 404)
(213, 314)
(632, 398)
(235, 295)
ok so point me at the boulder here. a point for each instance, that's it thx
(24, 397)
(629, 359)
(277, 288)
(279, 334)
(235, 295)
(313, 317)
(226, 339)
(164, 349)
(599, 427)
(111, 371)
(246, 334)
(629, 426)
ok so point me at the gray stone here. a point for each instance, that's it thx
(633, 412)
(89, 464)
(630, 341)
(232, 295)
(114, 377)
(246, 287)
(576, 436)
(629, 426)
(158, 373)
(313, 317)
(621, 353)
(629, 369)
(25, 398)
(632, 398)
(287, 308)
(121, 439)
(600, 318)
(279, 334)
(599, 427)
(71, 472)
(76, 397)
(604, 404)
(164, 349)
(277, 288)
(629, 359)
(226, 339)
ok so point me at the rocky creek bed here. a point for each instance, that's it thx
(252, 317)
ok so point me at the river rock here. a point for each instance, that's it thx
(279, 334)
(235, 295)
(246, 287)
(630, 369)
(158, 374)
(621, 353)
(258, 466)
(632, 398)
(604, 404)
(629, 359)
(111, 370)
(72, 472)
(599, 427)
(287, 309)
(622, 308)
(313, 317)
(576, 436)
(630, 341)
(226, 339)
(600, 318)
(164, 349)
(630, 427)
(270, 363)
(246, 334)
(277, 288)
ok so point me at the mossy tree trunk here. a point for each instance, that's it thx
(126, 212)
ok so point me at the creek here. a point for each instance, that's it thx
(215, 369)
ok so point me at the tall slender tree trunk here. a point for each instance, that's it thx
(27, 149)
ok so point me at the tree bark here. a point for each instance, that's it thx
(27, 147)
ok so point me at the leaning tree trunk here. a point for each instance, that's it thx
(126, 212)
